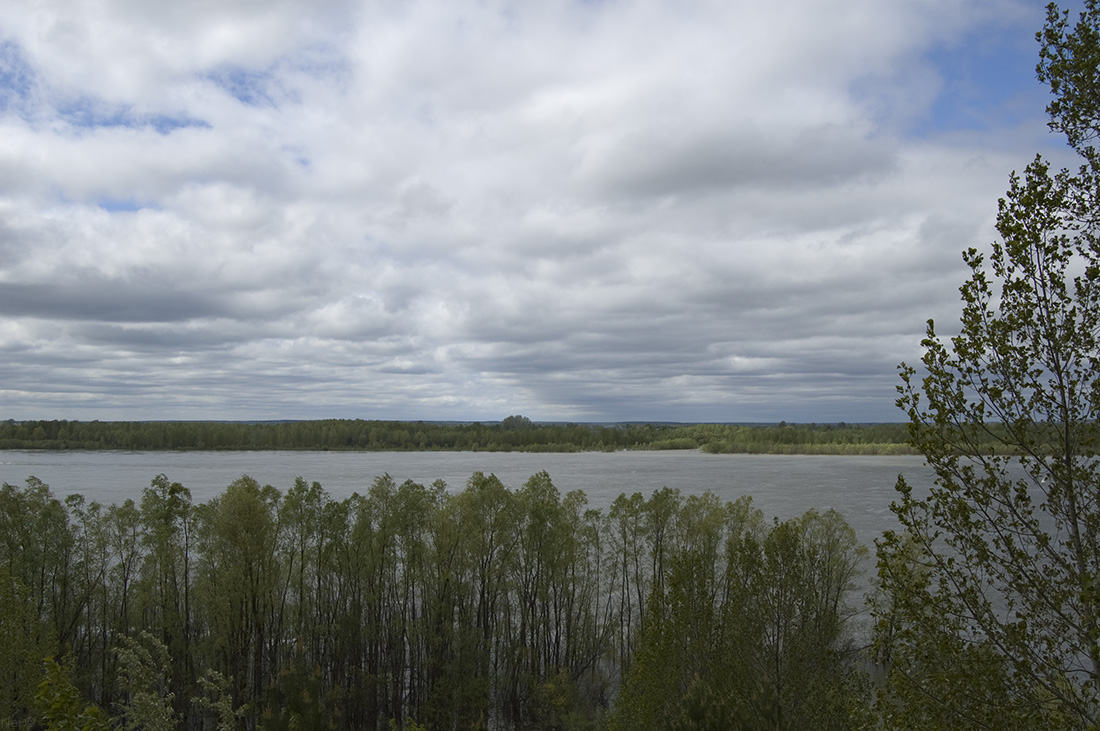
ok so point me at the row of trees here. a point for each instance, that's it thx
(346, 434)
(513, 433)
(485, 607)
(802, 439)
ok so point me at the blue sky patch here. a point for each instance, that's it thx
(165, 124)
(18, 81)
(122, 205)
(17, 78)
(247, 87)
(91, 113)
(988, 82)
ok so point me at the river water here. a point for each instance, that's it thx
(860, 488)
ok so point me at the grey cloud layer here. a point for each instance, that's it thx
(611, 210)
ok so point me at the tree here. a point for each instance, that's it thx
(23, 642)
(59, 705)
(144, 665)
(515, 422)
(748, 628)
(236, 583)
(167, 517)
(990, 613)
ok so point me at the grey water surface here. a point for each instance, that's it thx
(860, 488)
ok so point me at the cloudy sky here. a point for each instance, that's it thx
(583, 210)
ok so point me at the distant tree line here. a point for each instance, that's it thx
(417, 606)
(513, 433)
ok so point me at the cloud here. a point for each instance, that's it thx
(632, 209)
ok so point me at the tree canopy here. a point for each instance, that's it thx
(477, 607)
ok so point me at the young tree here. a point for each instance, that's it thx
(144, 666)
(60, 706)
(991, 609)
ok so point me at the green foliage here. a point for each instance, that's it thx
(409, 725)
(23, 640)
(296, 702)
(217, 698)
(458, 608)
(60, 706)
(1069, 62)
(237, 582)
(748, 629)
(846, 439)
(164, 582)
(515, 422)
(990, 614)
(143, 665)
(704, 709)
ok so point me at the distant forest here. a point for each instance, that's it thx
(515, 433)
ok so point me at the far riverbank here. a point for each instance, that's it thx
(514, 434)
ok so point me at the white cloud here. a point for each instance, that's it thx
(625, 209)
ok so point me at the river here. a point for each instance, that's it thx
(860, 488)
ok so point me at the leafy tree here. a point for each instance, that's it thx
(237, 582)
(60, 705)
(487, 513)
(217, 698)
(300, 702)
(166, 578)
(23, 642)
(516, 422)
(629, 582)
(555, 633)
(991, 607)
(143, 671)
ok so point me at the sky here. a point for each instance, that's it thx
(574, 210)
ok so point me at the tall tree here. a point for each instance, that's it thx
(237, 579)
(991, 611)
(167, 519)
